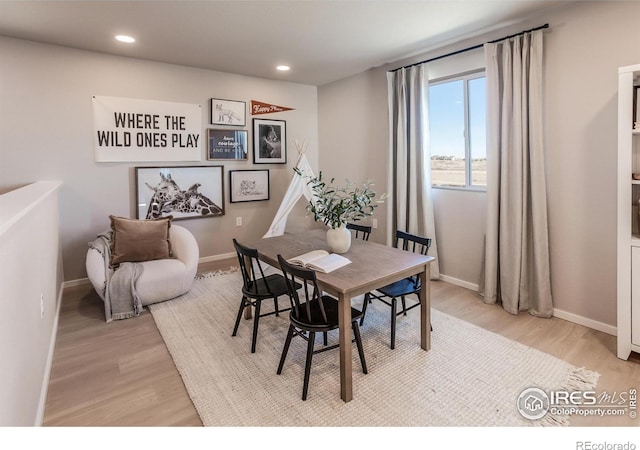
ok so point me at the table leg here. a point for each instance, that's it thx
(344, 321)
(425, 308)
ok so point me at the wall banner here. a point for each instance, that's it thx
(266, 108)
(127, 129)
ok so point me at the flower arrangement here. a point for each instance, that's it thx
(337, 205)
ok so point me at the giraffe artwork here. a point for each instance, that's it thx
(168, 198)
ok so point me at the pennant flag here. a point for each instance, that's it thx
(266, 108)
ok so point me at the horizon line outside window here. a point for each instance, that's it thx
(457, 122)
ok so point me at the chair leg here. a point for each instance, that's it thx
(356, 333)
(367, 300)
(324, 338)
(307, 366)
(275, 300)
(404, 305)
(256, 319)
(394, 303)
(285, 350)
(243, 304)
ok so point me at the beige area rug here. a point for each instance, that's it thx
(471, 377)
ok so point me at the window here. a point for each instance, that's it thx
(458, 132)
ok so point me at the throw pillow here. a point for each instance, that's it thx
(139, 240)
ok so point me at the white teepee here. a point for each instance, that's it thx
(297, 188)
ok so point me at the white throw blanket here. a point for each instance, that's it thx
(121, 300)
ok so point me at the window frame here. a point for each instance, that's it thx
(465, 78)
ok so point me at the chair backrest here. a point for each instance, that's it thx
(415, 244)
(362, 231)
(412, 242)
(248, 260)
(302, 308)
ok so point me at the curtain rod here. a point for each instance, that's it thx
(541, 27)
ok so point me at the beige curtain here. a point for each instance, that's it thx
(516, 270)
(410, 204)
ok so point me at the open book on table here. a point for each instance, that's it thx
(320, 260)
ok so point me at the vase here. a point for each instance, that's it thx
(339, 239)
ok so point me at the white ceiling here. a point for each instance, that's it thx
(322, 40)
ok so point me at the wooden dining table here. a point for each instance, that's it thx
(372, 266)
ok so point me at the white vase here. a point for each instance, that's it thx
(339, 239)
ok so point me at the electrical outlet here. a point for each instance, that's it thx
(238, 221)
(374, 223)
(42, 306)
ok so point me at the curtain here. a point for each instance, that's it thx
(410, 204)
(516, 266)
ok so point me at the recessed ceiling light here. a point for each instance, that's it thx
(283, 68)
(124, 38)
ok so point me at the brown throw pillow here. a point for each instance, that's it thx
(139, 240)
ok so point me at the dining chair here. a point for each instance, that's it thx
(362, 231)
(390, 293)
(311, 313)
(256, 288)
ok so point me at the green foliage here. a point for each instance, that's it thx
(337, 205)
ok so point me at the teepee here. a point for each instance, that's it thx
(297, 188)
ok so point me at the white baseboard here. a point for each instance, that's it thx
(560, 314)
(458, 282)
(73, 283)
(217, 257)
(584, 321)
(44, 390)
(85, 281)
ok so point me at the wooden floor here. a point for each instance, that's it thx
(121, 374)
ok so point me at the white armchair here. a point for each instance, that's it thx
(161, 279)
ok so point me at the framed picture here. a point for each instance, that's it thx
(183, 192)
(248, 185)
(269, 141)
(228, 112)
(227, 144)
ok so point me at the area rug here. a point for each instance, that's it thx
(470, 377)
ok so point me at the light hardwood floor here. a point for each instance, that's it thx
(121, 374)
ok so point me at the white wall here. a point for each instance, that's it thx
(30, 268)
(583, 51)
(352, 119)
(460, 226)
(46, 125)
(585, 45)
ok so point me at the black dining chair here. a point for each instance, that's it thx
(255, 288)
(361, 231)
(311, 313)
(400, 289)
